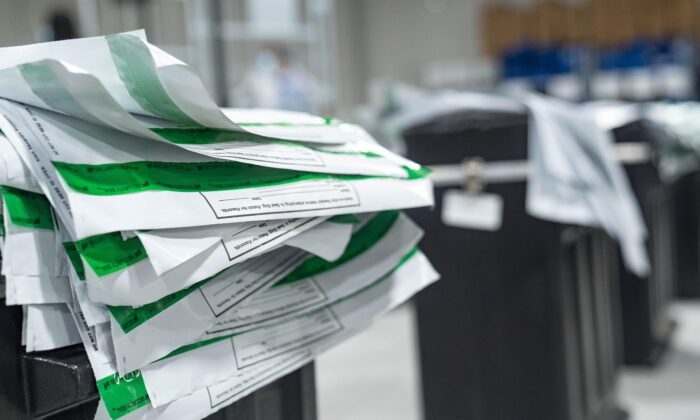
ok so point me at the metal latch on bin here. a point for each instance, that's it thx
(471, 207)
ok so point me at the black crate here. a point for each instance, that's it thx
(686, 192)
(525, 323)
(59, 384)
(647, 325)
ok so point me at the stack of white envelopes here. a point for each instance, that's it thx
(197, 253)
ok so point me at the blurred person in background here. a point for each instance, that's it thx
(58, 26)
(275, 81)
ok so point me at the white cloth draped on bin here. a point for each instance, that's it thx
(573, 176)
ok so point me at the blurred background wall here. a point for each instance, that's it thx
(344, 44)
(328, 56)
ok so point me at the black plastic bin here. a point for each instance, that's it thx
(59, 384)
(647, 325)
(686, 193)
(525, 323)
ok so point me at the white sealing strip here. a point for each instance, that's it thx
(517, 170)
(502, 171)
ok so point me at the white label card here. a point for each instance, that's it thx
(472, 211)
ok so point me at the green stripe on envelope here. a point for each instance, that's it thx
(126, 394)
(205, 136)
(109, 253)
(28, 209)
(124, 253)
(122, 395)
(44, 83)
(129, 318)
(349, 219)
(124, 178)
(137, 70)
(74, 259)
(359, 243)
(204, 343)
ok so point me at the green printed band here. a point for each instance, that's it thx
(122, 254)
(137, 70)
(44, 83)
(109, 253)
(194, 346)
(2, 225)
(360, 242)
(417, 173)
(74, 258)
(124, 178)
(200, 136)
(115, 179)
(348, 219)
(130, 318)
(208, 135)
(123, 395)
(27, 209)
(326, 121)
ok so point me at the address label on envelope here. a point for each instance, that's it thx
(482, 211)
